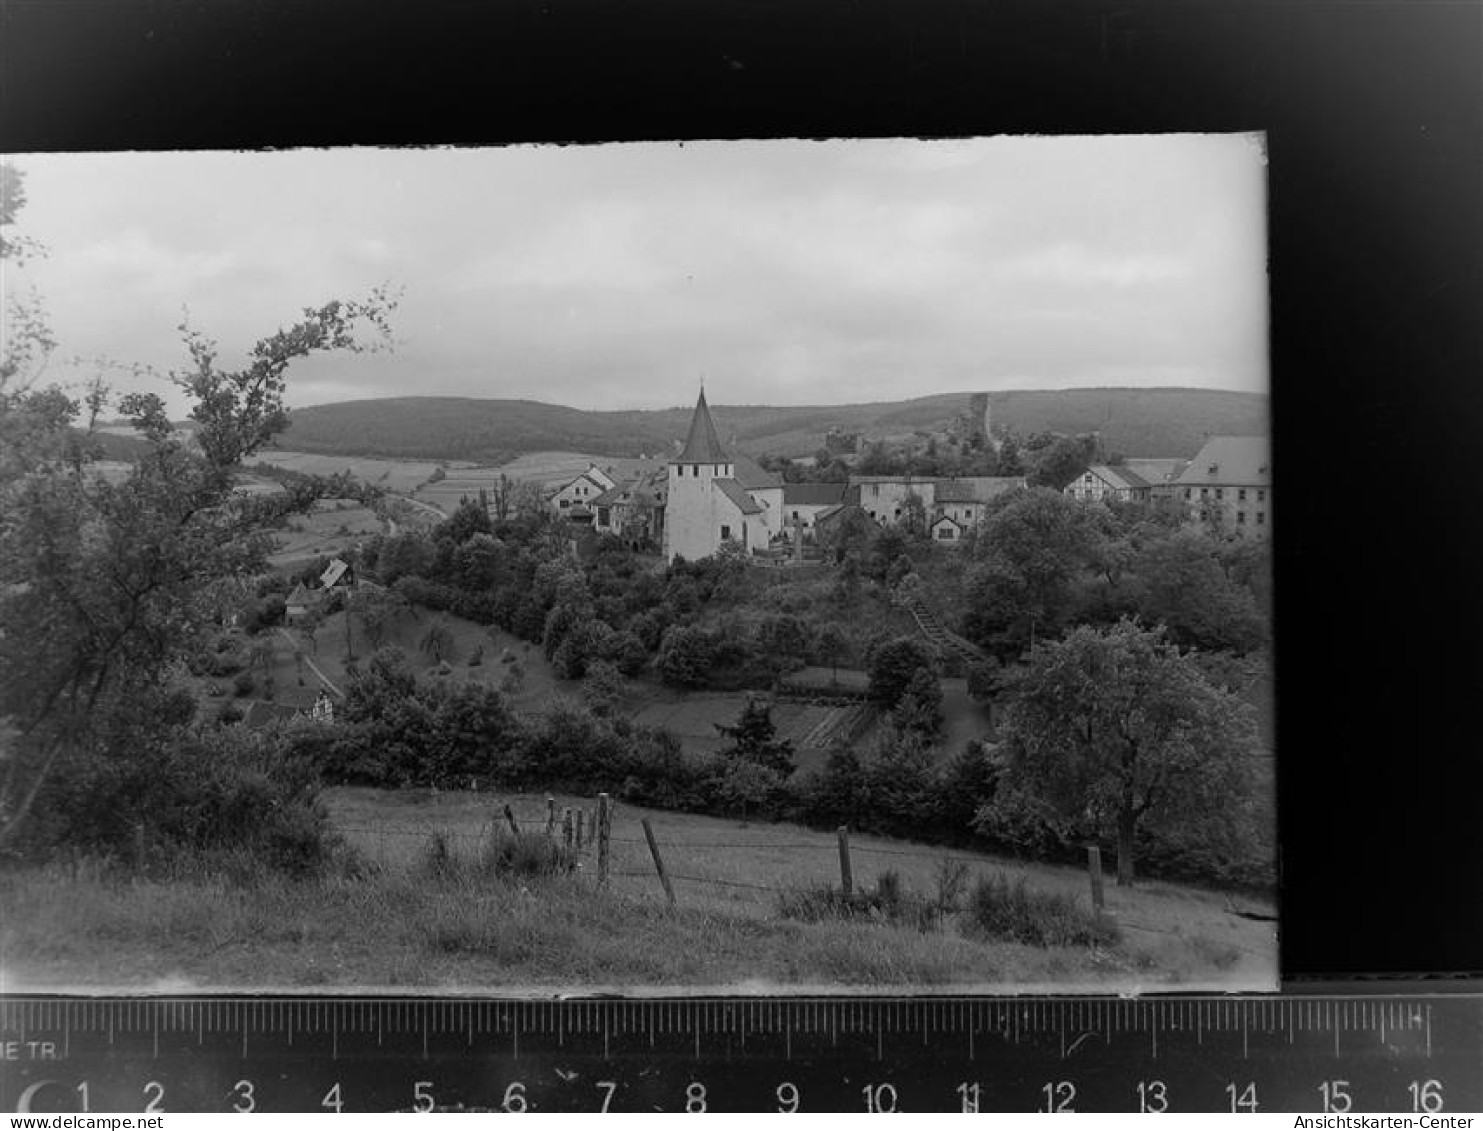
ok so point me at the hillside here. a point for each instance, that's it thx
(1149, 422)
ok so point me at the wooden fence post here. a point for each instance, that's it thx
(604, 828)
(581, 823)
(550, 815)
(846, 876)
(566, 828)
(1094, 866)
(669, 890)
(510, 817)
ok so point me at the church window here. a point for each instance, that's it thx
(725, 533)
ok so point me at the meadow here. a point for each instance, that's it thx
(396, 914)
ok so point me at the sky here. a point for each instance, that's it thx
(623, 276)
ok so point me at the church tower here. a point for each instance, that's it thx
(693, 522)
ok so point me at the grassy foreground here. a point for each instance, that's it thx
(384, 918)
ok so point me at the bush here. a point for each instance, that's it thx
(524, 856)
(243, 684)
(1005, 912)
(890, 902)
(206, 795)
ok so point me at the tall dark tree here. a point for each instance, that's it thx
(754, 738)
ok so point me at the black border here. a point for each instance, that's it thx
(1374, 118)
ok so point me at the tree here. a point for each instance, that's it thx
(783, 642)
(115, 576)
(1115, 729)
(1186, 588)
(830, 646)
(754, 738)
(891, 666)
(919, 709)
(376, 608)
(747, 783)
(437, 641)
(686, 654)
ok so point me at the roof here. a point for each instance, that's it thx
(260, 713)
(1120, 478)
(702, 445)
(299, 596)
(829, 514)
(749, 474)
(593, 474)
(813, 494)
(975, 489)
(1155, 471)
(738, 496)
(333, 572)
(948, 518)
(622, 493)
(1229, 460)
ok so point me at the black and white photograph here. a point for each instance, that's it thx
(765, 567)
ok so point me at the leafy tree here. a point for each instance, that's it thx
(919, 709)
(116, 576)
(1032, 548)
(747, 783)
(686, 655)
(914, 516)
(1115, 729)
(1009, 462)
(437, 641)
(891, 666)
(467, 519)
(376, 608)
(1067, 458)
(1186, 588)
(783, 642)
(603, 687)
(830, 646)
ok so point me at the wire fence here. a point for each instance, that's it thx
(692, 849)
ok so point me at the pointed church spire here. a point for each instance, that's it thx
(702, 445)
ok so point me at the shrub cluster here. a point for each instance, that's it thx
(1011, 912)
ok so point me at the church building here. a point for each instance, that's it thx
(707, 505)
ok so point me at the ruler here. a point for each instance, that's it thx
(1418, 1053)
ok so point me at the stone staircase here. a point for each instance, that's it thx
(933, 629)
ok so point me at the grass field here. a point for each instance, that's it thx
(549, 469)
(391, 923)
(401, 476)
(332, 527)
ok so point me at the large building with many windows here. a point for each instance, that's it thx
(1227, 487)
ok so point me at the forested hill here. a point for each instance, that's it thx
(1134, 422)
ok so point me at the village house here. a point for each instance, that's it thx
(1161, 474)
(1106, 483)
(574, 499)
(963, 499)
(634, 511)
(1227, 487)
(802, 503)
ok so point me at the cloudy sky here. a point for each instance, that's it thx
(620, 276)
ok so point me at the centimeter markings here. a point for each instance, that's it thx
(1317, 1047)
(1016, 1019)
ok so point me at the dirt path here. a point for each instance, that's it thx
(313, 667)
